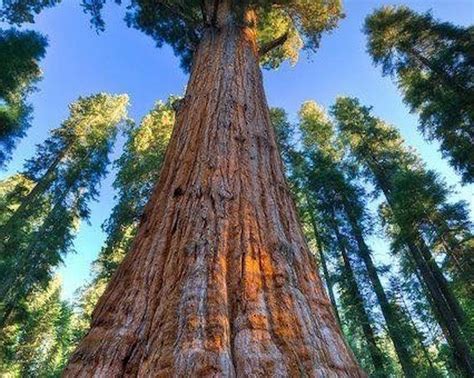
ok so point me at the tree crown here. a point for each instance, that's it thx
(283, 26)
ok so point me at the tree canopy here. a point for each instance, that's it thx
(20, 52)
(433, 63)
(46, 206)
(283, 26)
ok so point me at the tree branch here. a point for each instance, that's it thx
(180, 12)
(267, 47)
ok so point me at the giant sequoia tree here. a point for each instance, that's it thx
(433, 62)
(219, 280)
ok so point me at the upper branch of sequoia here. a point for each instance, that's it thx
(283, 27)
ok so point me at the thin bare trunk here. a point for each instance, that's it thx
(353, 287)
(322, 258)
(388, 312)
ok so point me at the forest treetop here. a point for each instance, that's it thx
(284, 27)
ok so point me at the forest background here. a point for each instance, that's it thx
(79, 62)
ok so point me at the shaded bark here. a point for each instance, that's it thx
(219, 280)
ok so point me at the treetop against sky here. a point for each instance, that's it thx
(283, 26)
(123, 60)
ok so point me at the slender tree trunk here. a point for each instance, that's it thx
(219, 280)
(322, 258)
(388, 311)
(374, 351)
(443, 284)
(444, 314)
(418, 334)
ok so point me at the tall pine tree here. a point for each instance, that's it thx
(20, 52)
(64, 176)
(433, 63)
(326, 156)
(380, 150)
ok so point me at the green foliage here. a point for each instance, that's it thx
(21, 11)
(20, 52)
(182, 24)
(433, 62)
(36, 343)
(302, 21)
(63, 176)
(138, 171)
(418, 210)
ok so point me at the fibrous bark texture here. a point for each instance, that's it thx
(219, 281)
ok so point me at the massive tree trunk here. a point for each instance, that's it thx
(219, 280)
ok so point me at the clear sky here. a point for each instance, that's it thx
(123, 60)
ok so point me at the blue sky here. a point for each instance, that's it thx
(123, 60)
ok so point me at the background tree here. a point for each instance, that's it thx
(39, 342)
(320, 166)
(380, 150)
(335, 175)
(296, 172)
(138, 170)
(20, 52)
(433, 62)
(64, 176)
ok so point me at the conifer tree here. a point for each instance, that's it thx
(379, 149)
(38, 341)
(315, 182)
(20, 52)
(138, 170)
(433, 63)
(296, 171)
(64, 176)
(319, 134)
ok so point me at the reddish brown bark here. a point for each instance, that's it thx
(219, 281)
